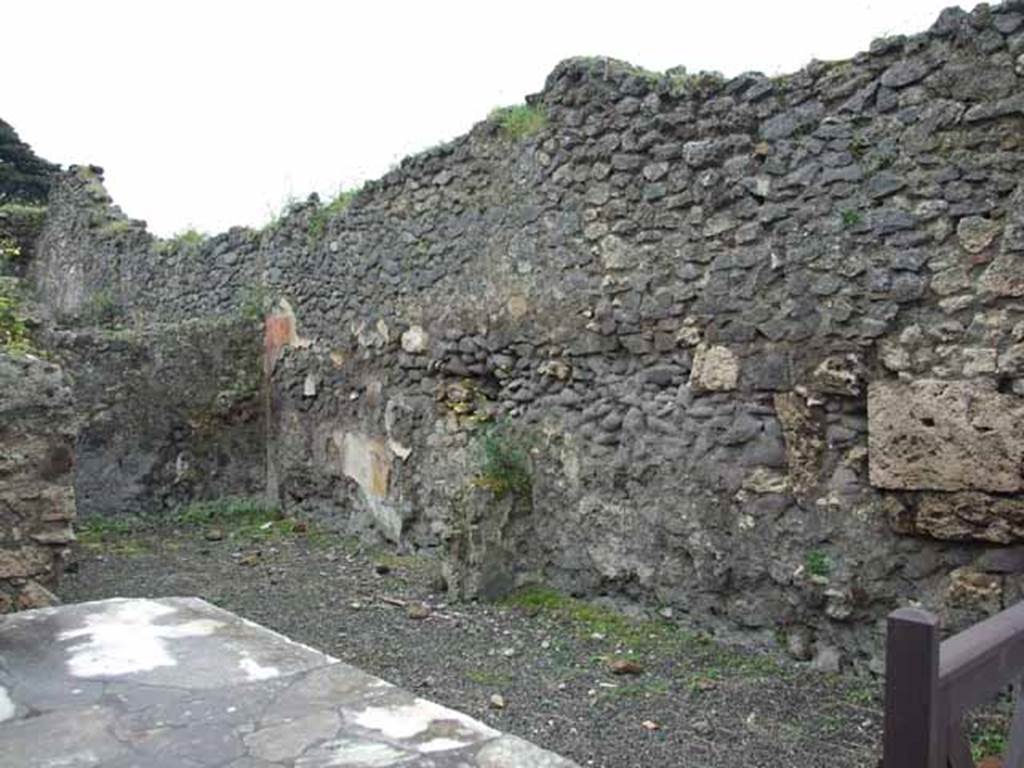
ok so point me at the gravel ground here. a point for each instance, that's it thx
(540, 667)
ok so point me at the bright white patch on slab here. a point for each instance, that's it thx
(343, 753)
(439, 745)
(407, 720)
(123, 638)
(7, 708)
(255, 671)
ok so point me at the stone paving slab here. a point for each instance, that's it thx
(179, 682)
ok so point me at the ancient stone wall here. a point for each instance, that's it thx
(752, 347)
(37, 501)
(37, 418)
(169, 415)
(95, 266)
(161, 340)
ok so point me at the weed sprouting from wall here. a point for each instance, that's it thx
(504, 460)
(817, 564)
(118, 226)
(103, 308)
(10, 252)
(187, 240)
(851, 218)
(322, 215)
(254, 302)
(13, 331)
(20, 224)
(520, 120)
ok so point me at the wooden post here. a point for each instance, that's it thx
(914, 731)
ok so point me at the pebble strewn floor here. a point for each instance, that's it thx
(578, 680)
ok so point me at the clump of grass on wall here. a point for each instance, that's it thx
(520, 120)
(818, 564)
(323, 214)
(10, 252)
(13, 332)
(504, 461)
(186, 240)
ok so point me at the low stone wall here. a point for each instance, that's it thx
(37, 502)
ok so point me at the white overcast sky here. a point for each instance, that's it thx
(213, 113)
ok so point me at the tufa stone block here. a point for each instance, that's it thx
(805, 444)
(944, 435)
(715, 369)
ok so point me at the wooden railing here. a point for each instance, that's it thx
(930, 685)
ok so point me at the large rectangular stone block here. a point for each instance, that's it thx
(945, 435)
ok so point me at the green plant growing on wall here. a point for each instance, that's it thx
(322, 215)
(103, 309)
(186, 240)
(504, 460)
(19, 223)
(519, 121)
(683, 83)
(253, 302)
(13, 331)
(859, 146)
(117, 226)
(10, 252)
(190, 238)
(817, 564)
(851, 218)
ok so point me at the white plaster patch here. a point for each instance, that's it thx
(255, 671)
(7, 707)
(367, 460)
(122, 638)
(408, 720)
